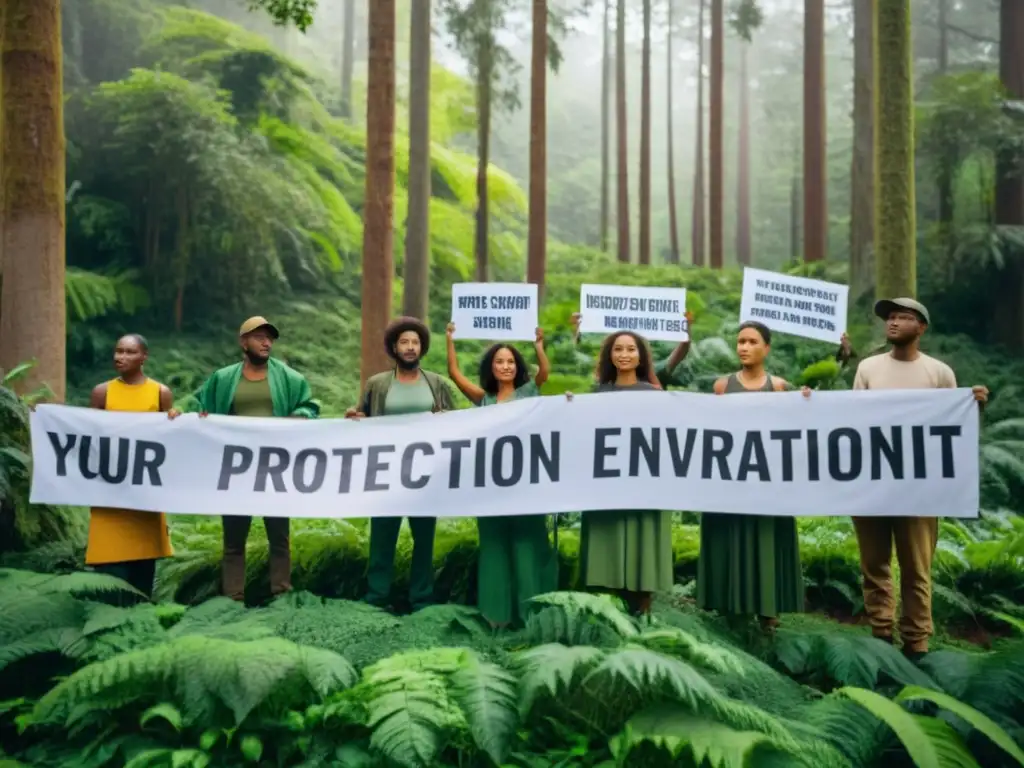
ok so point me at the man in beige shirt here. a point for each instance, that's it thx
(905, 366)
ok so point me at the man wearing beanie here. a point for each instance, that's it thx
(404, 389)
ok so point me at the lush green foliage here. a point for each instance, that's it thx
(96, 681)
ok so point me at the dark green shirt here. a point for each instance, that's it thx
(252, 398)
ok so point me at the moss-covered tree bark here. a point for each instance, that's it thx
(862, 171)
(537, 235)
(378, 209)
(417, 229)
(32, 302)
(895, 224)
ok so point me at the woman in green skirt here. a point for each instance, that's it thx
(750, 564)
(516, 560)
(627, 552)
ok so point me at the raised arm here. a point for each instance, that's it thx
(682, 348)
(543, 366)
(472, 392)
(166, 399)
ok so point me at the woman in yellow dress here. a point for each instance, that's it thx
(122, 542)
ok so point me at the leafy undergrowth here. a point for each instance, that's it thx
(91, 679)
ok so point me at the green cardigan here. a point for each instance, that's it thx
(375, 393)
(289, 391)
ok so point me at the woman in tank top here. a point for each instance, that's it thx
(750, 564)
(516, 560)
(122, 542)
(627, 552)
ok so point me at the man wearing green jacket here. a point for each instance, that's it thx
(257, 386)
(406, 388)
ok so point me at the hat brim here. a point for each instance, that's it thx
(398, 328)
(276, 334)
(885, 307)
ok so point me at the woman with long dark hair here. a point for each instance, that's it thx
(750, 564)
(627, 552)
(516, 561)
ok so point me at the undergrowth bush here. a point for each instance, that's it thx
(308, 681)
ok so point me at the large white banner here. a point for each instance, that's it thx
(903, 452)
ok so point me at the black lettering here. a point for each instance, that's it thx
(480, 466)
(539, 454)
(61, 451)
(374, 466)
(891, 450)
(835, 454)
(150, 464)
(266, 468)
(786, 437)
(714, 454)
(516, 474)
(455, 465)
(651, 450)
(917, 451)
(228, 466)
(753, 458)
(946, 435)
(408, 457)
(345, 478)
(319, 459)
(602, 451)
(813, 467)
(84, 449)
(681, 464)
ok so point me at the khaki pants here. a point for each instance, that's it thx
(915, 538)
(236, 533)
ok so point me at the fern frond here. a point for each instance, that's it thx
(847, 658)
(487, 696)
(408, 711)
(676, 642)
(550, 669)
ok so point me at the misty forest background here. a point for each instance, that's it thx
(332, 164)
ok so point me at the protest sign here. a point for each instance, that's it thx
(885, 452)
(813, 309)
(655, 313)
(495, 311)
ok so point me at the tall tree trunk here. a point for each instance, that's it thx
(815, 162)
(645, 140)
(946, 161)
(697, 231)
(485, 80)
(417, 230)
(673, 224)
(862, 172)
(895, 219)
(32, 299)
(743, 172)
(348, 42)
(378, 208)
(717, 153)
(606, 85)
(1008, 306)
(622, 184)
(538, 223)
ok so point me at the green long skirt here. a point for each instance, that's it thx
(629, 549)
(749, 564)
(517, 563)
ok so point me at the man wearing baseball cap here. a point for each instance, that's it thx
(257, 386)
(406, 388)
(905, 366)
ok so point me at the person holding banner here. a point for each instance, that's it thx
(516, 561)
(263, 387)
(406, 388)
(662, 374)
(628, 552)
(905, 366)
(750, 564)
(123, 542)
